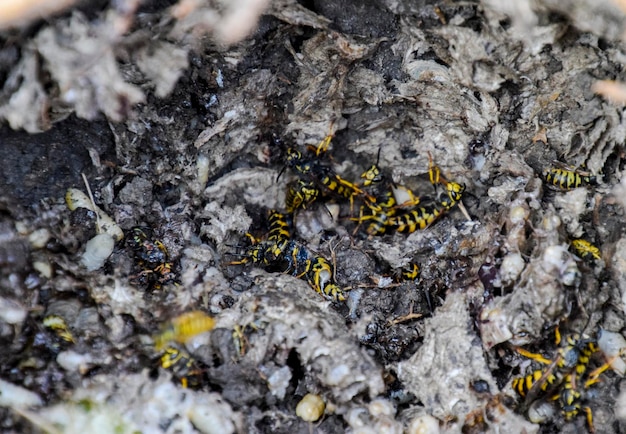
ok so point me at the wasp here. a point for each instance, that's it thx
(300, 262)
(278, 236)
(566, 177)
(423, 216)
(410, 271)
(569, 399)
(574, 356)
(184, 327)
(283, 253)
(419, 218)
(58, 324)
(320, 277)
(183, 367)
(561, 378)
(152, 256)
(381, 201)
(300, 194)
(585, 250)
(267, 252)
(147, 249)
(254, 252)
(314, 173)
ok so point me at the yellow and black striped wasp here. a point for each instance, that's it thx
(278, 236)
(384, 200)
(314, 173)
(564, 379)
(410, 271)
(300, 262)
(268, 251)
(585, 250)
(382, 204)
(321, 277)
(300, 195)
(565, 177)
(254, 251)
(421, 217)
(190, 372)
(280, 252)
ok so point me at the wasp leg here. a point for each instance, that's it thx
(534, 356)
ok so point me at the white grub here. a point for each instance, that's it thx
(73, 361)
(212, 419)
(377, 418)
(75, 198)
(558, 258)
(97, 251)
(39, 238)
(16, 396)
(202, 173)
(338, 375)
(494, 326)
(310, 408)
(511, 267)
(423, 424)
(357, 417)
(11, 311)
(381, 407)
(540, 411)
(516, 223)
(613, 345)
(43, 268)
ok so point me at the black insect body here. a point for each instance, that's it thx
(423, 216)
(152, 258)
(184, 368)
(316, 178)
(409, 216)
(381, 202)
(281, 252)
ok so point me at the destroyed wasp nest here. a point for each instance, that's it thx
(434, 325)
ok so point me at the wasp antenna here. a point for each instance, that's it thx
(233, 245)
(280, 173)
